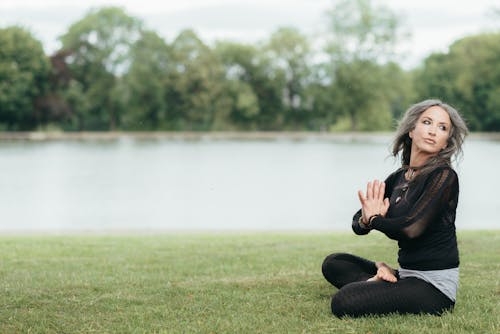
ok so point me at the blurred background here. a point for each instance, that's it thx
(216, 115)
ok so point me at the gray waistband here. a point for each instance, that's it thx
(445, 280)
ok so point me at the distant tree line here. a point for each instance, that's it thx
(114, 74)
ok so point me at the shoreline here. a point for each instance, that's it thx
(222, 135)
(204, 232)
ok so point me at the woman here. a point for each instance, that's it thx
(416, 206)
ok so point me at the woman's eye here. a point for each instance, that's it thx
(442, 127)
(426, 122)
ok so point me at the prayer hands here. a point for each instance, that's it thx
(373, 203)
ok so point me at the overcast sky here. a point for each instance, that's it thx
(433, 24)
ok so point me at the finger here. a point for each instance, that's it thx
(369, 191)
(376, 189)
(382, 191)
(386, 204)
(361, 197)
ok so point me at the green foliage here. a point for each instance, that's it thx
(102, 38)
(469, 77)
(288, 52)
(112, 74)
(359, 90)
(195, 85)
(24, 71)
(360, 31)
(360, 38)
(145, 84)
(217, 283)
(254, 68)
(400, 93)
(238, 62)
(99, 46)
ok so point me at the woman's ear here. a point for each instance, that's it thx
(410, 134)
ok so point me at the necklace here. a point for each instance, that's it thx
(410, 173)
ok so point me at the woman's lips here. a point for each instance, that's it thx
(430, 141)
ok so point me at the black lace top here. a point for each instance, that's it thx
(421, 217)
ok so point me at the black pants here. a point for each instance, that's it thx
(357, 297)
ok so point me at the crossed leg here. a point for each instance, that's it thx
(357, 297)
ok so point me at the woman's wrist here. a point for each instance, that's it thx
(362, 222)
(367, 223)
(372, 217)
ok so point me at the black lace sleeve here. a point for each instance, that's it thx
(389, 186)
(440, 187)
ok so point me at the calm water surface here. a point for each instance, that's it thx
(129, 184)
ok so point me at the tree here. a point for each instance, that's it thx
(145, 84)
(251, 66)
(468, 76)
(195, 86)
(99, 46)
(238, 65)
(360, 31)
(288, 52)
(360, 40)
(24, 71)
(359, 93)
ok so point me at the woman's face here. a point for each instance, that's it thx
(431, 132)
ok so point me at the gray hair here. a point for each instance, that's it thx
(402, 141)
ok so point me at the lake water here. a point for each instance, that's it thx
(171, 184)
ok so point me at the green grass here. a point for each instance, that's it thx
(217, 283)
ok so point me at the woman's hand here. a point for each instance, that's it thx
(384, 273)
(373, 203)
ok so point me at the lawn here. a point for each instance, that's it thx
(217, 283)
